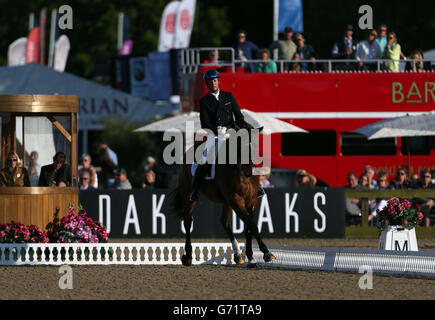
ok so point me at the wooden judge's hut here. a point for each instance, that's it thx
(36, 127)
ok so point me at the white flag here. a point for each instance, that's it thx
(17, 52)
(167, 27)
(184, 23)
(61, 53)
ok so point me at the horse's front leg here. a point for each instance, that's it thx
(186, 259)
(226, 222)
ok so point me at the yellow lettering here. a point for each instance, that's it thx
(427, 91)
(412, 92)
(398, 92)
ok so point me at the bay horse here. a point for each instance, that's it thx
(236, 188)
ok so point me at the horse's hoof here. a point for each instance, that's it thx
(252, 265)
(268, 257)
(187, 261)
(238, 259)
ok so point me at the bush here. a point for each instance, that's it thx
(16, 232)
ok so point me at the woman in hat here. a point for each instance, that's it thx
(13, 175)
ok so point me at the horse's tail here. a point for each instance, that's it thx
(175, 202)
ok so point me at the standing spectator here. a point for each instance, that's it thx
(57, 174)
(401, 180)
(87, 166)
(306, 52)
(109, 161)
(34, 169)
(382, 37)
(245, 50)
(392, 52)
(121, 180)
(267, 66)
(84, 181)
(304, 179)
(417, 65)
(379, 203)
(149, 164)
(426, 204)
(212, 62)
(353, 209)
(149, 179)
(369, 171)
(264, 176)
(345, 48)
(368, 49)
(13, 175)
(286, 48)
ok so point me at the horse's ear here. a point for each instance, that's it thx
(260, 129)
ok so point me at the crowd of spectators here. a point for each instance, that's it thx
(378, 44)
(425, 179)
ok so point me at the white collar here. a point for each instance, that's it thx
(216, 95)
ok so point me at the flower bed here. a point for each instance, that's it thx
(399, 212)
(16, 232)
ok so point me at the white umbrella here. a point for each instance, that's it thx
(256, 119)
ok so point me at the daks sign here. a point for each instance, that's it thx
(294, 213)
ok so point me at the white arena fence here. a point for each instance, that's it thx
(16, 254)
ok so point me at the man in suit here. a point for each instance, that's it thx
(217, 109)
(57, 174)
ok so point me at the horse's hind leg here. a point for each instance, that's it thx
(186, 259)
(225, 220)
(248, 234)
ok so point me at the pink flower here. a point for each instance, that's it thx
(405, 223)
(420, 216)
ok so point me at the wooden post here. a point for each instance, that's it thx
(364, 212)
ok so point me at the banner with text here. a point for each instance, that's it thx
(294, 213)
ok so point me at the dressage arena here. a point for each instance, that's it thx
(222, 280)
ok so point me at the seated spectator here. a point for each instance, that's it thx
(352, 205)
(57, 174)
(109, 162)
(414, 180)
(84, 180)
(304, 179)
(87, 166)
(264, 176)
(401, 180)
(379, 203)
(149, 179)
(267, 66)
(392, 52)
(296, 66)
(286, 48)
(363, 181)
(345, 48)
(306, 52)
(121, 181)
(432, 172)
(367, 50)
(245, 50)
(417, 64)
(369, 171)
(34, 169)
(426, 204)
(13, 175)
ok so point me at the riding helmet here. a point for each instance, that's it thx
(211, 74)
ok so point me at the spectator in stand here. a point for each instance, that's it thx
(414, 180)
(432, 172)
(213, 62)
(57, 174)
(149, 179)
(304, 179)
(264, 176)
(392, 52)
(286, 48)
(149, 164)
(84, 181)
(426, 204)
(87, 166)
(109, 162)
(363, 181)
(267, 66)
(345, 48)
(296, 66)
(369, 171)
(121, 180)
(13, 175)
(401, 180)
(353, 209)
(245, 50)
(306, 52)
(34, 169)
(382, 37)
(379, 203)
(417, 65)
(367, 50)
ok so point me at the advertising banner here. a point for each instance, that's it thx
(283, 212)
(184, 23)
(17, 52)
(32, 46)
(61, 53)
(167, 27)
(138, 79)
(290, 14)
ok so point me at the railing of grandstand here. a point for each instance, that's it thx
(191, 63)
(365, 195)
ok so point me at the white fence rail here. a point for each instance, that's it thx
(15, 254)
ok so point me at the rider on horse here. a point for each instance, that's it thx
(217, 108)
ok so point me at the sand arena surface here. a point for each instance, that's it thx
(214, 282)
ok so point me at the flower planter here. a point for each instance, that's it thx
(398, 238)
